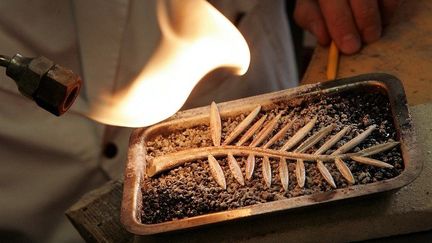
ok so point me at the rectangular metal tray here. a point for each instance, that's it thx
(136, 164)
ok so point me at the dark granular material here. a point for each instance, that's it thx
(189, 190)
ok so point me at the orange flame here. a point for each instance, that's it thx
(196, 39)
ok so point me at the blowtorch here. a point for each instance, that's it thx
(51, 86)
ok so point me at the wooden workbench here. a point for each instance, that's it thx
(404, 51)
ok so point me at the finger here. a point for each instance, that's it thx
(388, 8)
(367, 18)
(307, 15)
(340, 24)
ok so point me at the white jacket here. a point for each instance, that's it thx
(48, 162)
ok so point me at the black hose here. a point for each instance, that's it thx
(4, 60)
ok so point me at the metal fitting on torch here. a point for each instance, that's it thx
(51, 86)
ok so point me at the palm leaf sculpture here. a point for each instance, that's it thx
(288, 152)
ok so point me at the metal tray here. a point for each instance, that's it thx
(136, 164)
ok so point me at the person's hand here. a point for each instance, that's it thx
(347, 22)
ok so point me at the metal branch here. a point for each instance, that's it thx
(250, 166)
(315, 138)
(326, 173)
(265, 132)
(332, 141)
(283, 173)
(235, 169)
(299, 135)
(280, 134)
(344, 170)
(355, 141)
(215, 124)
(172, 160)
(216, 171)
(251, 131)
(300, 173)
(242, 126)
(266, 170)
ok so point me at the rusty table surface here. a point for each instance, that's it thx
(405, 51)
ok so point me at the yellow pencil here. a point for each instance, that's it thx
(333, 61)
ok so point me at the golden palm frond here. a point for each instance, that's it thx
(265, 151)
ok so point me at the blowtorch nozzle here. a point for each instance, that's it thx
(51, 86)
